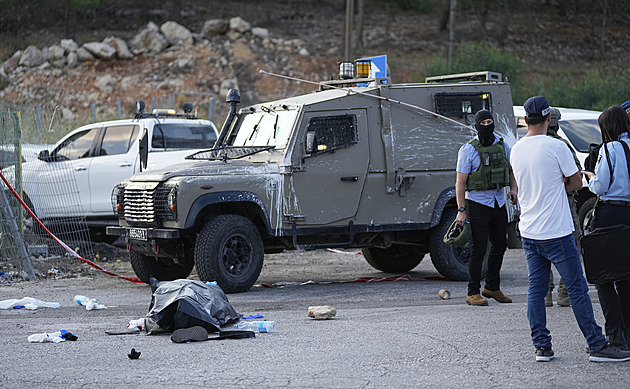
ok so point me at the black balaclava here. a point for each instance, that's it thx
(486, 133)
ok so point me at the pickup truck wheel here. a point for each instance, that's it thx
(394, 259)
(229, 250)
(146, 267)
(451, 261)
(585, 214)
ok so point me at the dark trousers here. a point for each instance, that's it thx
(486, 223)
(614, 297)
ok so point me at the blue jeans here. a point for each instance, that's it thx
(563, 254)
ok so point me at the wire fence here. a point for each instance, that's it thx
(44, 187)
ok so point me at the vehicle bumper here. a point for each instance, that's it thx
(143, 234)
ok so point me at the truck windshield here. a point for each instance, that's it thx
(264, 128)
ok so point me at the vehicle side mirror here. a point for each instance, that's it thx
(311, 142)
(44, 155)
(143, 150)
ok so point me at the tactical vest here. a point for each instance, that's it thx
(493, 171)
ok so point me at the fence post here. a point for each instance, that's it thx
(38, 118)
(93, 112)
(152, 103)
(119, 110)
(211, 109)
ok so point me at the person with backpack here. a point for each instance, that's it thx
(611, 182)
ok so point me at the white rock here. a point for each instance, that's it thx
(321, 312)
(240, 25)
(304, 53)
(214, 27)
(83, 55)
(100, 50)
(32, 56)
(260, 32)
(122, 50)
(73, 59)
(69, 45)
(177, 34)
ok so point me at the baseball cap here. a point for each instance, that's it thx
(536, 106)
(626, 106)
(555, 116)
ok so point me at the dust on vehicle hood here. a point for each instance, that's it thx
(207, 168)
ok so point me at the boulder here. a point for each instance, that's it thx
(67, 114)
(69, 45)
(72, 59)
(321, 312)
(177, 34)
(101, 50)
(56, 52)
(31, 57)
(11, 64)
(122, 50)
(149, 39)
(106, 83)
(83, 55)
(260, 32)
(4, 81)
(214, 27)
(238, 24)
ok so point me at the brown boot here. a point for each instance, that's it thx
(497, 295)
(549, 300)
(476, 299)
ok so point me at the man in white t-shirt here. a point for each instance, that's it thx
(545, 170)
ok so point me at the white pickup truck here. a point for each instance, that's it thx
(77, 175)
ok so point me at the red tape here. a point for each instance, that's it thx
(62, 244)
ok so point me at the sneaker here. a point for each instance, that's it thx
(497, 295)
(610, 353)
(548, 300)
(476, 299)
(544, 354)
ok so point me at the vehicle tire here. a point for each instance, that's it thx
(394, 259)
(451, 261)
(585, 213)
(146, 267)
(229, 250)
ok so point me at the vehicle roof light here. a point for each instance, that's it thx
(363, 68)
(346, 70)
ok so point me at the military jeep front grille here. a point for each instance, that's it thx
(146, 205)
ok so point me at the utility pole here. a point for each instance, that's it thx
(349, 28)
(451, 34)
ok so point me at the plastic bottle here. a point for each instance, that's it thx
(256, 326)
(88, 303)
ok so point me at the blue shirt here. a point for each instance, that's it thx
(600, 184)
(468, 161)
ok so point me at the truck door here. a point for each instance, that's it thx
(329, 186)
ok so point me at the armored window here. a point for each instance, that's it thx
(461, 104)
(333, 132)
(117, 139)
(182, 136)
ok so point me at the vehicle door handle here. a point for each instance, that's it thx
(78, 168)
(353, 178)
(124, 164)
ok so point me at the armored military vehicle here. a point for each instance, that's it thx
(359, 163)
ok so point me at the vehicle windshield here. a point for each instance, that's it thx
(263, 128)
(582, 133)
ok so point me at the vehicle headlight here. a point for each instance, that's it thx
(118, 199)
(170, 203)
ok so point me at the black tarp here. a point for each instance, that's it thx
(187, 303)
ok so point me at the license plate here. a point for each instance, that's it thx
(138, 233)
